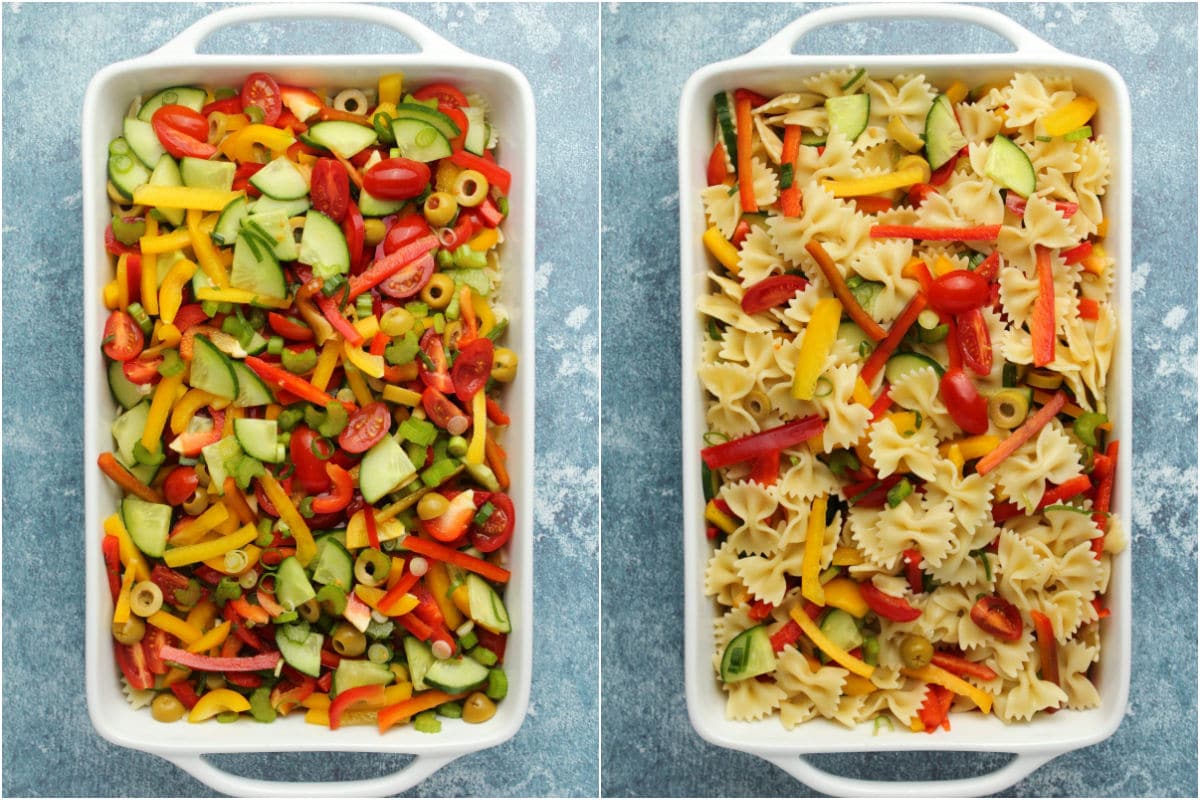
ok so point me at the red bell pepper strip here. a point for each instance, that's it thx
(282, 379)
(372, 528)
(900, 327)
(943, 173)
(788, 634)
(390, 264)
(111, 546)
(754, 445)
(416, 626)
(331, 312)
(918, 193)
(1016, 204)
(1105, 471)
(789, 198)
(717, 172)
(957, 665)
(330, 660)
(489, 213)
(230, 105)
(449, 555)
(393, 596)
(1088, 308)
(881, 404)
(978, 233)
(190, 444)
(342, 494)
(497, 176)
(113, 246)
(1077, 253)
(427, 608)
(1065, 491)
(760, 610)
(888, 606)
(126, 479)
(371, 695)
(379, 343)
(1023, 434)
(912, 568)
(186, 694)
(766, 468)
(284, 698)
(935, 711)
(247, 680)
(989, 268)
(495, 414)
(1004, 511)
(871, 493)
(745, 139)
(1041, 323)
(838, 284)
(266, 600)
(204, 663)
(1047, 646)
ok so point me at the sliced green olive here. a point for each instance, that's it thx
(1008, 408)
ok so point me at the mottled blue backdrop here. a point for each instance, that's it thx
(50, 54)
(649, 51)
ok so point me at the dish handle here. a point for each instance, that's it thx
(402, 780)
(781, 44)
(187, 42)
(978, 786)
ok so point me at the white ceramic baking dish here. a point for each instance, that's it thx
(773, 68)
(108, 96)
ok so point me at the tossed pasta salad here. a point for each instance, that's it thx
(302, 339)
(908, 468)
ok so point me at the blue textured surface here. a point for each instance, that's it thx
(649, 51)
(50, 53)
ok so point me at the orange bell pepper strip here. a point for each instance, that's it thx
(789, 198)
(282, 379)
(126, 480)
(745, 138)
(407, 708)
(1041, 324)
(458, 558)
(900, 327)
(1021, 435)
(1047, 646)
(496, 460)
(861, 318)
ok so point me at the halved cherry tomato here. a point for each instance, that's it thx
(410, 279)
(888, 606)
(330, 189)
(444, 92)
(355, 232)
(131, 658)
(396, 179)
(153, 642)
(455, 520)
(771, 292)
(975, 341)
(472, 368)
(998, 617)
(242, 176)
(288, 120)
(966, 406)
(367, 426)
(142, 370)
(495, 532)
(437, 375)
(230, 105)
(310, 467)
(342, 494)
(405, 229)
(123, 339)
(289, 328)
(182, 132)
(958, 291)
(918, 193)
(181, 482)
(441, 409)
(261, 90)
(460, 120)
(717, 171)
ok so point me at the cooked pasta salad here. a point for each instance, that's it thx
(909, 466)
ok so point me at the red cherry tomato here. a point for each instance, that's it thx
(330, 188)
(460, 120)
(437, 376)
(396, 179)
(367, 426)
(230, 105)
(444, 92)
(310, 453)
(242, 176)
(472, 368)
(355, 231)
(771, 292)
(439, 408)
(142, 370)
(181, 482)
(182, 132)
(495, 532)
(998, 617)
(289, 328)
(123, 339)
(405, 229)
(261, 90)
(410, 279)
(131, 658)
(886, 605)
(975, 341)
(958, 291)
(963, 401)
(717, 171)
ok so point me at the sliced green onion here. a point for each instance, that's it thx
(484, 513)
(275, 345)
(227, 589)
(785, 176)
(824, 387)
(254, 113)
(714, 438)
(141, 318)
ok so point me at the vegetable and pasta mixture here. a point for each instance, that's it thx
(909, 468)
(302, 339)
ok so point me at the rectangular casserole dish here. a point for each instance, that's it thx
(774, 68)
(108, 96)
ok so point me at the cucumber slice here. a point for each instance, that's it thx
(333, 565)
(346, 139)
(1008, 166)
(125, 391)
(188, 96)
(853, 335)
(456, 675)
(273, 226)
(292, 588)
(127, 431)
(125, 170)
(849, 114)
(943, 136)
(901, 364)
(252, 391)
(143, 141)
(477, 130)
(749, 654)
(323, 246)
(303, 655)
(841, 629)
(211, 369)
(725, 121)
(221, 458)
(487, 609)
(281, 180)
(383, 468)
(420, 141)
(148, 524)
(166, 173)
(813, 139)
(430, 116)
(371, 206)
(290, 208)
(260, 438)
(419, 657)
(204, 174)
(255, 267)
(229, 223)
(144, 472)
(352, 673)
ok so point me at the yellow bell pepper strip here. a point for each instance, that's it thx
(327, 361)
(175, 675)
(1102, 228)
(438, 581)
(371, 595)
(202, 614)
(722, 249)
(187, 406)
(241, 296)
(110, 295)
(401, 396)
(150, 271)
(192, 553)
(306, 548)
(173, 625)
(214, 638)
(390, 87)
(838, 284)
(121, 612)
(237, 501)
(857, 686)
(476, 450)
(397, 692)
(814, 349)
(714, 514)
(217, 702)
(1074, 114)
(131, 556)
(188, 197)
(123, 282)
(957, 92)
(483, 313)
(192, 532)
(166, 333)
(317, 700)
(931, 673)
(954, 455)
(844, 593)
(170, 294)
(371, 365)
(814, 541)
(239, 146)
(875, 184)
(317, 716)
(122, 477)
(972, 447)
(942, 266)
(160, 407)
(358, 385)
(847, 557)
(844, 659)
(153, 244)
(205, 252)
(903, 136)
(862, 393)
(484, 241)
(1094, 262)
